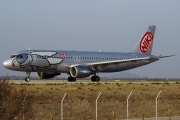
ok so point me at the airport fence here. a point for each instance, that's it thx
(110, 106)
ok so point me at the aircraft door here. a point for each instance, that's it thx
(77, 58)
(33, 58)
(134, 56)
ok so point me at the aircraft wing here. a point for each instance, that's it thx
(106, 63)
(127, 60)
(119, 61)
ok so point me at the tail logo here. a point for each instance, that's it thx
(146, 42)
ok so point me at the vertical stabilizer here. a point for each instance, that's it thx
(144, 46)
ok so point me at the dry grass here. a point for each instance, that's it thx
(11, 102)
(80, 100)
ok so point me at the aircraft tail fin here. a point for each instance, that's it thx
(144, 46)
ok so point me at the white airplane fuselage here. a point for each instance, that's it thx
(80, 64)
(40, 60)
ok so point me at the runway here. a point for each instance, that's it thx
(90, 82)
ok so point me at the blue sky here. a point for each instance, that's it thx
(106, 25)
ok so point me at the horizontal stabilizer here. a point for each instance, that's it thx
(166, 56)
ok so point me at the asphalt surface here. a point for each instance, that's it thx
(88, 81)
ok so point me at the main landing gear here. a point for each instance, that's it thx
(71, 79)
(27, 79)
(95, 78)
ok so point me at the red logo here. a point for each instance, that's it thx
(62, 54)
(146, 42)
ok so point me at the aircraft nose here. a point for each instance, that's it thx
(7, 64)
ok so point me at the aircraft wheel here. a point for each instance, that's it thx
(71, 79)
(74, 79)
(92, 78)
(27, 79)
(95, 78)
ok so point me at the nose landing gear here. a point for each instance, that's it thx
(27, 79)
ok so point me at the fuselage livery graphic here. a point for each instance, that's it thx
(80, 64)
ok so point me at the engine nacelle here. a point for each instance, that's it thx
(80, 71)
(45, 75)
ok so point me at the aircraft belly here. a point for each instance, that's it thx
(115, 67)
(64, 68)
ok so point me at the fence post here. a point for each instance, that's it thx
(83, 116)
(113, 115)
(169, 115)
(143, 116)
(96, 104)
(127, 105)
(156, 103)
(51, 116)
(62, 106)
(41, 115)
(23, 104)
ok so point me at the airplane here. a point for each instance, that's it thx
(81, 64)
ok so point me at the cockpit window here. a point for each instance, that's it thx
(20, 56)
(17, 56)
(13, 56)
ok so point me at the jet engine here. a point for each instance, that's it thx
(45, 75)
(80, 71)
